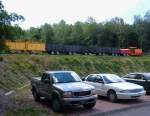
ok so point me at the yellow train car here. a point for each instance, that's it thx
(35, 46)
(25, 46)
(16, 46)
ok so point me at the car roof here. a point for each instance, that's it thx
(103, 74)
(49, 72)
(144, 73)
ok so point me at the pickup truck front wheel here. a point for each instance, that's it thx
(89, 106)
(56, 105)
(35, 95)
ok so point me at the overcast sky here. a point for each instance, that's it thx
(38, 12)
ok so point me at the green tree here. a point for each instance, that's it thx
(90, 32)
(47, 33)
(6, 20)
(77, 35)
(142, 26)
(34, 34)
(62, 32)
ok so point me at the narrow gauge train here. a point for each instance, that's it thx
(36, 47)
(74, 49)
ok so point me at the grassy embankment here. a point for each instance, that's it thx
(16, 70)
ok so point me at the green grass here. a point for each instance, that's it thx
(16, 70)
(27, 111)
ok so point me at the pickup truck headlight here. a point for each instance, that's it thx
(93, 92)
(67, 94)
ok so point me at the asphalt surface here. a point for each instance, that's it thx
(5, 103)
(103, 106)
(140, 111)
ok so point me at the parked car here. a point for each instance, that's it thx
(114, 87)
(63, 88)
(142, 79)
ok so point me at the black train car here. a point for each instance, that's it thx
(72, 49)
(87, 50)
(77, 49)
(62, 49)
(54, 49)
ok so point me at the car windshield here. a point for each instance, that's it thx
(110, 78)
(66, 77)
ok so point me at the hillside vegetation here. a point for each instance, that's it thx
(16, 70)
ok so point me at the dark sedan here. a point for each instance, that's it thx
(142, 79)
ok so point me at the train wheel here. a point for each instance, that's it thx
(70, 53)
(57, 53)
(99, 54)
(85, 53)
(52, 53)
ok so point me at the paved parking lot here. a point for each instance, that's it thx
(138, 111)
(103, 105)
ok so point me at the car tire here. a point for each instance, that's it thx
(36, 95)
(112, 96)
(56, 105)
(89, 106)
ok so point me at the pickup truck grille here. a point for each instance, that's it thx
(83, 93)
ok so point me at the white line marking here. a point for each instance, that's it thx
(13, 91)
(23, 87)
(9, 93)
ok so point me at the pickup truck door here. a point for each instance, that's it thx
(46, 86)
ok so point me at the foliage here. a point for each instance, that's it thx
(6, 30)
(17, 70)
(112, 33)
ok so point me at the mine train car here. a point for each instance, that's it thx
(25, 46)
(76, 49)
(37, 47)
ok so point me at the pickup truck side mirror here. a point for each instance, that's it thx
(47, 82)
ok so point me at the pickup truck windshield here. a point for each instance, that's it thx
(66, 77)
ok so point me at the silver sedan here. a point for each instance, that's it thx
(114, 87)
